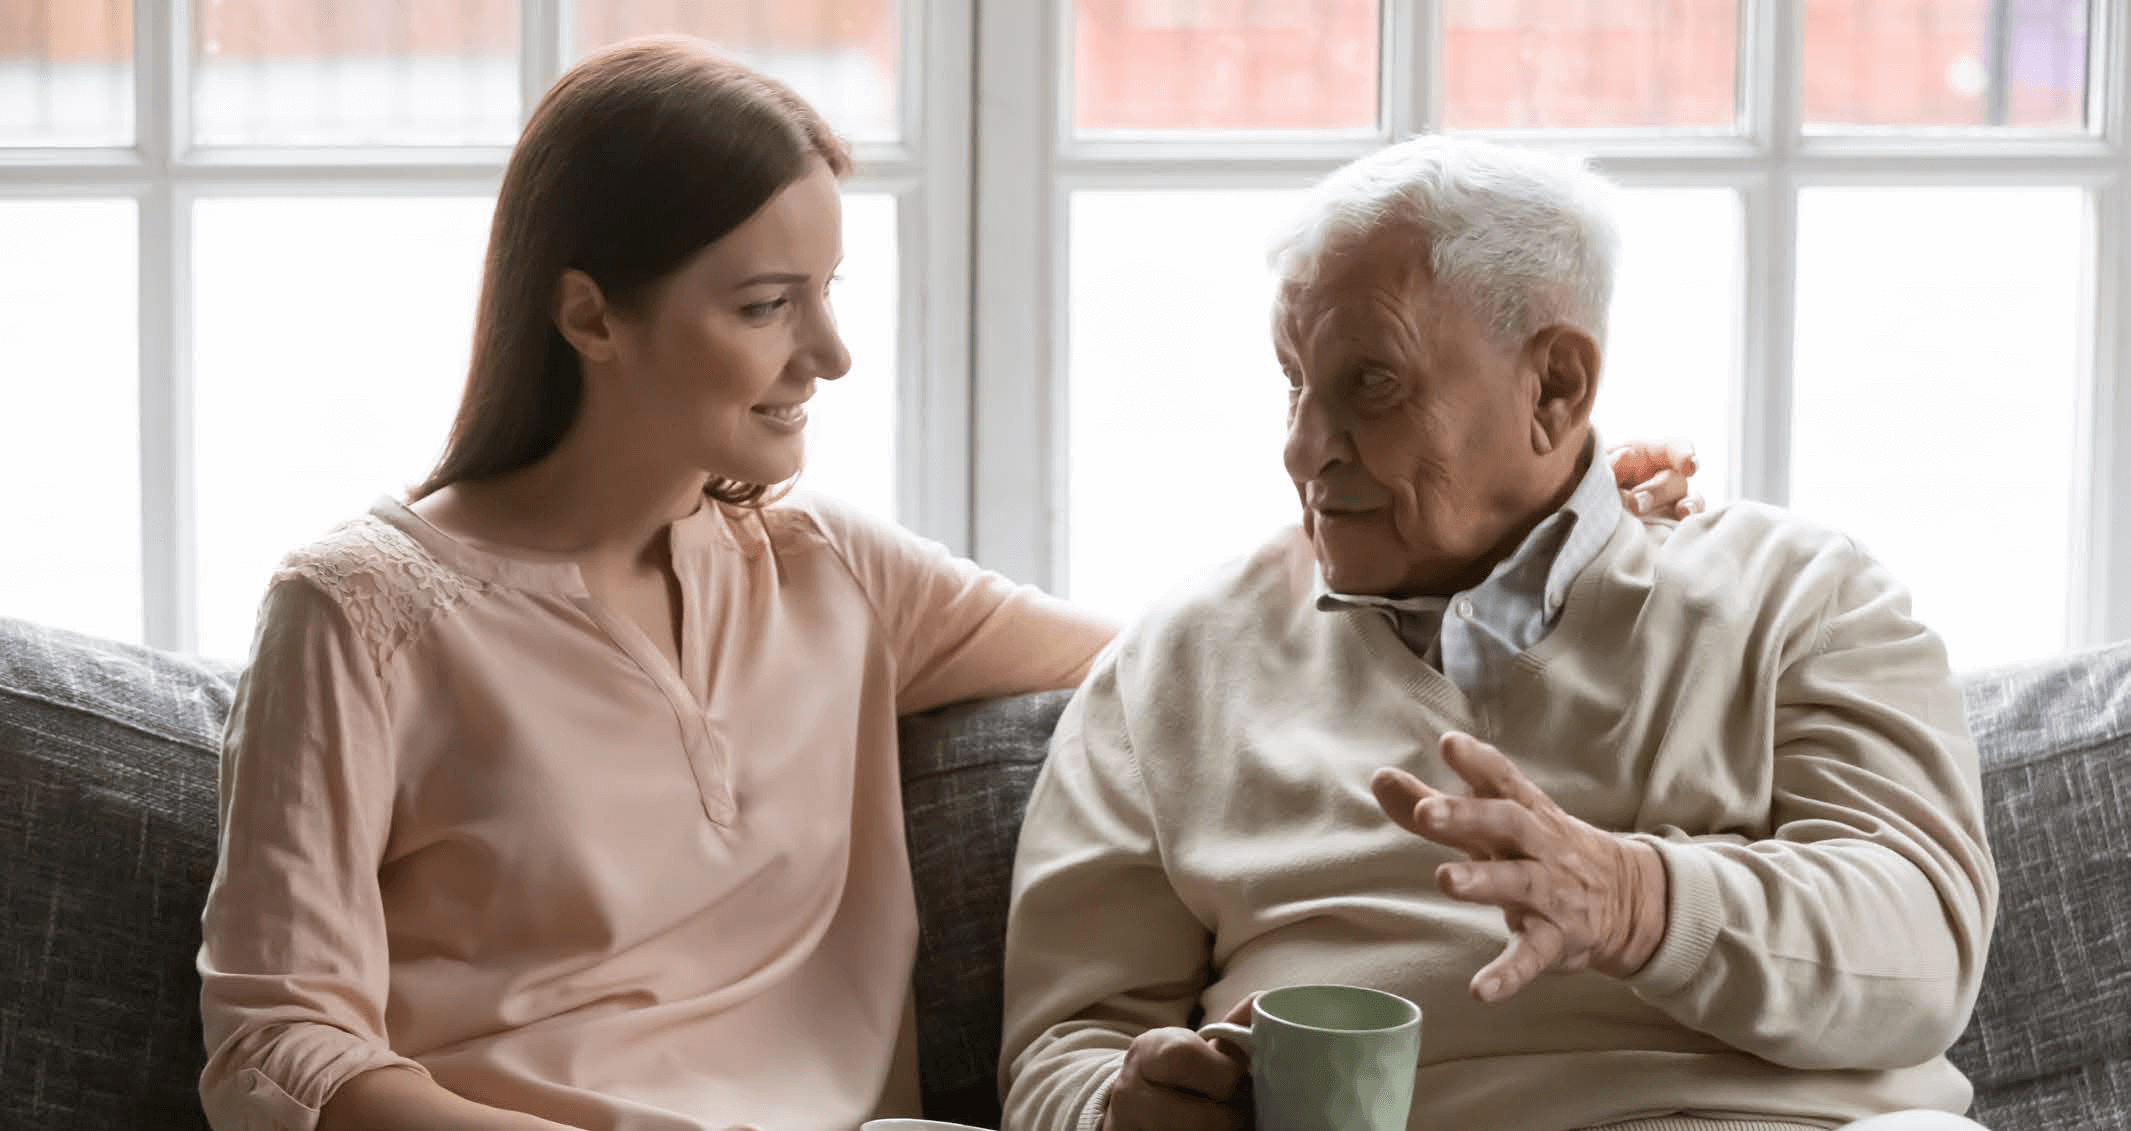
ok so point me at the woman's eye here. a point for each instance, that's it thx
(761, 311)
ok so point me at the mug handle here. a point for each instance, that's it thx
(1236, 1035)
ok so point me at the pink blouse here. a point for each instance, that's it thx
(475, 824)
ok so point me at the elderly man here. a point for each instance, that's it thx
(1664, 828)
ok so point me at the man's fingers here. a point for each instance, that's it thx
(1531, 952)
(1482, 828)
(1181, 1059)
(1238, 1014)
(1513, 885)
(1398, 793)
(1173, 1078)
(1487, 770)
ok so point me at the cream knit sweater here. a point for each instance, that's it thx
(1746, 690)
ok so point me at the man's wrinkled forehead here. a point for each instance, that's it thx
(1356, 281)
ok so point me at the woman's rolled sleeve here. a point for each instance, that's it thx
(293, 960)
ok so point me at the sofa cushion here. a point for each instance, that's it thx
(967, 772)
(2050, 1043)
(107, 812)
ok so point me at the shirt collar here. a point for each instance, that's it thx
(1573, 535)
(1593, 510)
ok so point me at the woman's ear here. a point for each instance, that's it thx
(1566, 360)
(583, 316)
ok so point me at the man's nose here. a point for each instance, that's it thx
(1315, 441)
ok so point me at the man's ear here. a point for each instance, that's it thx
(583, 316)
(1566, 360)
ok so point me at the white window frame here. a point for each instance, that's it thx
(1029, 162)
(926, 169)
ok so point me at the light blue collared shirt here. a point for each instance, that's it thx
(1473, 635)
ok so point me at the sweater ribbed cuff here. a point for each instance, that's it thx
(1091, 1116)
(1693, 917)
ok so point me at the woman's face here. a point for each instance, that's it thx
(722, 359)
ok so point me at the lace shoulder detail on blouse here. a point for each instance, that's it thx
(384, 582)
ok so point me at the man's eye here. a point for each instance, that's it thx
(1377, 383)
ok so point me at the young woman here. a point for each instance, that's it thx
(565, 794)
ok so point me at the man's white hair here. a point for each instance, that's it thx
(1527, 237)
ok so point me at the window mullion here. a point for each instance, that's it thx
(2104, 611)
(1018, 511)
(934, 430)
(2109, 612)
(543, 35)
(1411, 65)
(1771, 54)
(161, 104)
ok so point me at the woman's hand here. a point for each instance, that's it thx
(1653, 478)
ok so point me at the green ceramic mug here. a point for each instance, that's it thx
(1329, 1058)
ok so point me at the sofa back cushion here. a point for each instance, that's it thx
(107, 812)
(967, 773)
(2050, 1043)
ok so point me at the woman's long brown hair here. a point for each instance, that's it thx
(639, 157)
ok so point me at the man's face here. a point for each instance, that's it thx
(1411, 431)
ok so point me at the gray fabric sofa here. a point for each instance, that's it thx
(107, 781)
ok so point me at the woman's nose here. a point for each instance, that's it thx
(832, 359)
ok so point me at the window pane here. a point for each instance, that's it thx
(1590, 64)
(330, 342)
(1671, 360)
(1224, 64)
(391, 72)
(851, 423)
(1938, 370)
(72, 510)
(66, 72)
(1877, 63)
(1177, 410)
(838, 54)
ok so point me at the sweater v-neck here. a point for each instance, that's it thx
(1468, 709)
